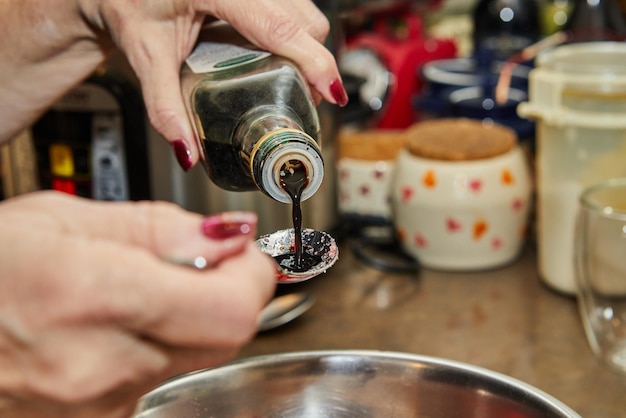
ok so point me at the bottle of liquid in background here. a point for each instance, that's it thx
(596, 20)
(505, 27)
(254, 116)
(554, 15)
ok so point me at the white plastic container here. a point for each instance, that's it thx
(577, 94)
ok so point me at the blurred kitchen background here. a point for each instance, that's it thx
(402, 62)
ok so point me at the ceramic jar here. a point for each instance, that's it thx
(461, 194)
(366, 165)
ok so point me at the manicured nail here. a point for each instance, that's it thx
(229, 224)
(338, 92)
(183, 154)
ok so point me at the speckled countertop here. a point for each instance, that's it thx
(504, 320)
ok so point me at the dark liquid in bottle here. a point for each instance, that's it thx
(293, 179)
(221, 100)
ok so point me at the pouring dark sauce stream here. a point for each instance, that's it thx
(294, 179)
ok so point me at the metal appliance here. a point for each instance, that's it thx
(89, 142)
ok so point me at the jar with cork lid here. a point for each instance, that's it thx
(461, 194)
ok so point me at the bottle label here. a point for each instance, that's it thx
(210, 57)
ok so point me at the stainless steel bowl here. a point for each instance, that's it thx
(352, 383)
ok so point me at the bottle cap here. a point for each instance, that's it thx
(276, 149)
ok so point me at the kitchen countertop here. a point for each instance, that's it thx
(505, 320)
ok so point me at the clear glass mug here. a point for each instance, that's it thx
(601, 270)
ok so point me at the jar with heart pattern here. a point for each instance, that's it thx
(461, 194)
(365, 165)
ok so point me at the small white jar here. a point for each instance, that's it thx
(365, 187)
(365, 169)
(461, 195)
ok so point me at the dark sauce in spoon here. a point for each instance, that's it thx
(293, 179)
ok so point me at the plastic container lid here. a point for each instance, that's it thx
(588, 58)
(579, 85)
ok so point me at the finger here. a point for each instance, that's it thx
(275, 30)
(181, 361)
(157, 61)
(164, 229)
(185, 360)
(223, 303)
(177, 306)
(311, 18)
(171, 233)
(166, 109)
(73, 364)
(122, 400)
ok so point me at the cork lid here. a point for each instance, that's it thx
(370, 145)
(459, 139)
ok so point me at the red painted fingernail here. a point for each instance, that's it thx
(183, 154)
(229, 224)
(338, 92)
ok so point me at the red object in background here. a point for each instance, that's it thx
(64, 185)
(402, 47)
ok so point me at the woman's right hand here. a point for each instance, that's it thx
(50, 48)
(91, 314)
(157, 37)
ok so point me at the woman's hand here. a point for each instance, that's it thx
(57, 43)
(158, 36)
(91, 316)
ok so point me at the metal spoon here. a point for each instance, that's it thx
(315, 243)
(278, 243)
(284, 309)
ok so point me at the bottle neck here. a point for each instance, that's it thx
(261, 121)
(276, 153)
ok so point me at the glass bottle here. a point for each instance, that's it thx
(505, 27)
(554, 15)
(596, 20)
(254, 116)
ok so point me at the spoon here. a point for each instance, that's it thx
(317, 246)
(284, 309)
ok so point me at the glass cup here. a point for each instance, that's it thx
(601, 270)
